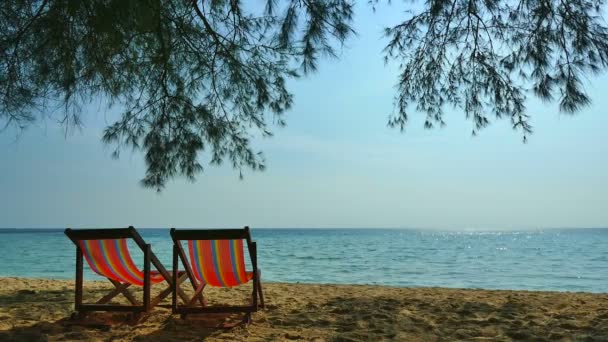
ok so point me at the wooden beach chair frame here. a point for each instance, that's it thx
(77, 235)
(257, 297)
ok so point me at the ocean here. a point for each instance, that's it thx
(556, 260)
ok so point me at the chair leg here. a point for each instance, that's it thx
(123, 288)
(120, 288)
(197, 293)
(260, 292)
(167, 291)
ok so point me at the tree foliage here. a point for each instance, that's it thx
(485, 55)
(202, 76)
(193, 76)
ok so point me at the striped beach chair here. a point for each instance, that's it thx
(107, 254)
(216, 258)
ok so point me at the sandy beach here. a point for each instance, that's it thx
(38, 310)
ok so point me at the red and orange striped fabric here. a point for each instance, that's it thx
(219, 263)
(110, 258)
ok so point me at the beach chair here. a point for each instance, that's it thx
(107, 254)
(216, 258)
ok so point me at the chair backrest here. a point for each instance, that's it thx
(111, 258)
(216, 256)
(219, 263)
(107, 253)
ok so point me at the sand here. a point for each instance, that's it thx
(38, 310)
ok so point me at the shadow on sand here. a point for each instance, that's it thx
(34, 309)
(338, 314)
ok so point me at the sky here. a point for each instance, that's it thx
(335, 165)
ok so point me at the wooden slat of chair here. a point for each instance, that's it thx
(157, 264)
(120, 288)
(198, 291)
(168, 291)
(260, 292)
(193, 282)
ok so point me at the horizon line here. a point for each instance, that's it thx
(322, 228)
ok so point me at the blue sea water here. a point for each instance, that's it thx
(562, 260)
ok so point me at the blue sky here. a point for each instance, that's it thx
(336, 164)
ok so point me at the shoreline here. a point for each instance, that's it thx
(98, 279)
(37, 309)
